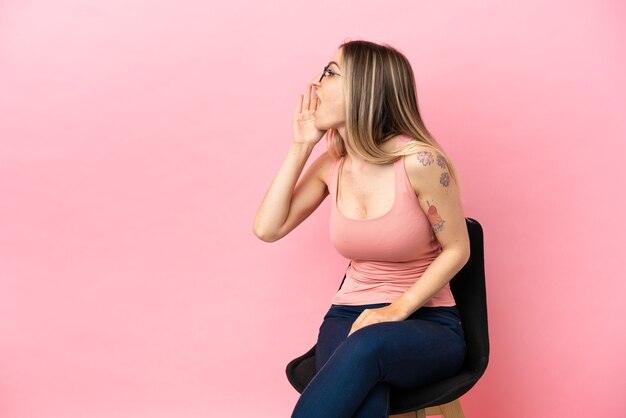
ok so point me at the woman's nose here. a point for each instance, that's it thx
(316, 80)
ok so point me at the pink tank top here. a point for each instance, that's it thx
(388, 253)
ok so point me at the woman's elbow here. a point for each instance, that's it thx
(264, 236)
(462, 253)
(465, 254)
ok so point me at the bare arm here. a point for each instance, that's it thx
(283, 208)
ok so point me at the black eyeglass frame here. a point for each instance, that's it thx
(328, 70)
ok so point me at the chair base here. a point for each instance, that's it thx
(449, 410)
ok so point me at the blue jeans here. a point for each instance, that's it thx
(354, 373)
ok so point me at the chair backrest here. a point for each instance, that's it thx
(468, 288)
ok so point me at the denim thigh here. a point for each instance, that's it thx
(339, 319)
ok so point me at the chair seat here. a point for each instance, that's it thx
(441, 392)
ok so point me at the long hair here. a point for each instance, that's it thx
(381, 102)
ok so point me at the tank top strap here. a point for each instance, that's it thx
(332, 176)
(402, 177)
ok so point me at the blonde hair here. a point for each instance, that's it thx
(381, 103)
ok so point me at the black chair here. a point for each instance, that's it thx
(440, 398)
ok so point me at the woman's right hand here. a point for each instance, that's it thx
(304, 129)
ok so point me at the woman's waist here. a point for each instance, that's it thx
(369, 272)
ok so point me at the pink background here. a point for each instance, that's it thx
(137, 139)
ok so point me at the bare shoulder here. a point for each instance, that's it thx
(427, 167)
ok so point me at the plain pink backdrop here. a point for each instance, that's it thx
(137, 139)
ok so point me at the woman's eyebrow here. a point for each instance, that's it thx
(333, 62)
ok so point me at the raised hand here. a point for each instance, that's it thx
(304, 129)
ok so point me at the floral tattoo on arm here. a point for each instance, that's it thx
(445, 176)
(441, 162)
(444, 179)
(426, 158)
(434, 218)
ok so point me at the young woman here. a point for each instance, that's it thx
(396, 214)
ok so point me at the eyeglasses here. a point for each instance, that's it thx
(329, 71)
